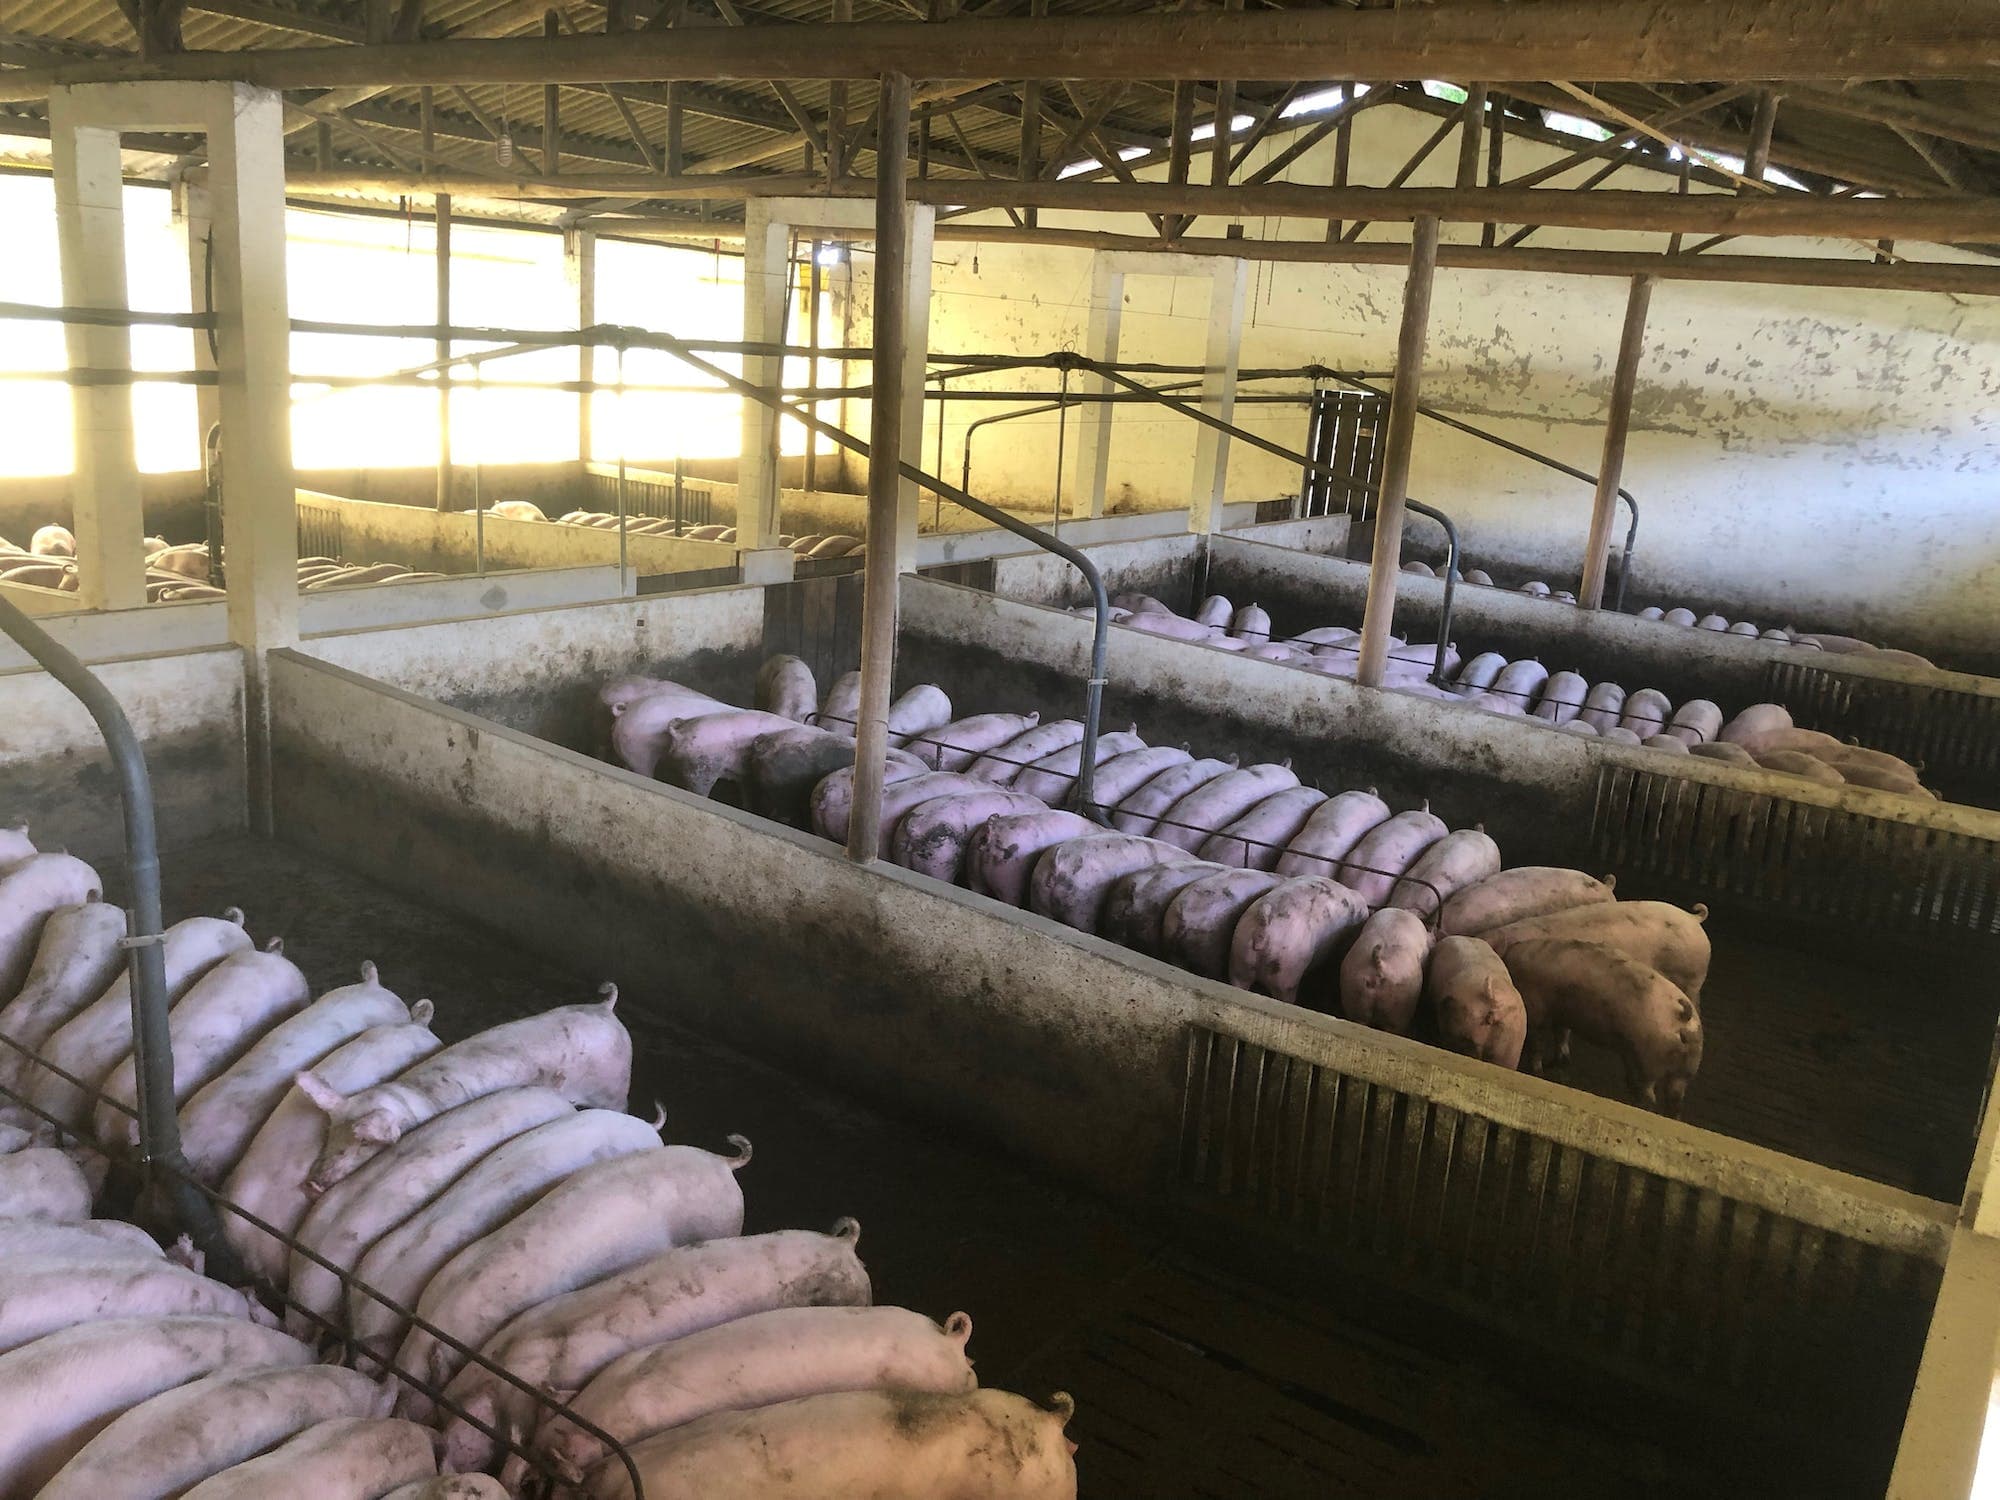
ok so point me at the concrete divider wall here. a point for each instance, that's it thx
(539, 670)
(186, 708)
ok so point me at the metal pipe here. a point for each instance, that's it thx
(1451, 560)
(885, 485)
(152, 1045)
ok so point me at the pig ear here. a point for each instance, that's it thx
(320, 1091)
(375, 1128)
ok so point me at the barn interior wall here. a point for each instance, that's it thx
(1823, 456)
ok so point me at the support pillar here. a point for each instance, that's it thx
(1209, 491)
(1091, 468)
(580, 270)
(441, 257)
(106, 511)
(192, 211)
(1617, 427)
(1386, 563)
(766, 251)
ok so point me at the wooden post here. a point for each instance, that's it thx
(1590, 593)
(551, 109)
(885, 445)
(1403, 398)
(442, 256)
(1343, 151)
(580, 269)
(1496, 139)
(674, 162)
(1468, 143)
(1758, 157)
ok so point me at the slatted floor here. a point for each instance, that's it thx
(1192, 1376)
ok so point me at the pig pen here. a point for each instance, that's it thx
(1605, 1248)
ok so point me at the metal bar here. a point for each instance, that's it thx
(885, 437)
(1624, 382)
(152, 1043)
(1387, 559)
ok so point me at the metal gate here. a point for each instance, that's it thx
(1346, 430)
(1953, 735)
(320, 530)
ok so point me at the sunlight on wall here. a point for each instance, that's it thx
(349, 268)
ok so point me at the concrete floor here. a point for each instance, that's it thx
(1191, 1378)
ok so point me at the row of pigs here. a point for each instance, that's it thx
(817, 545)
(1761, 735)
(178, 572)
(1238, 873)
(494, 1185)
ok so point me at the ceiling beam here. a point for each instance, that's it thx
(1939, 219)
(1658, 40)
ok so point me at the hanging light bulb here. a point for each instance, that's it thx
(503, 146)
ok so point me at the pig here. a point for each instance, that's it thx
(1122, 775)
(1378, 860)
(1290, 932)
(1618, 734)
(1652, 612)
(16, 848)
(955, 746)
(76, 960)
(1757, 720)
(1454, 862)
(1479, 576)
(1656, 933)
(768, 1357)
(1199, 924)
(1420, 569)
(270, 1178)
(90, 1044)
(1213, 804)
(1481, 672)
(1798, 763)
(785, 687)
(1537, 589)
(1744, 628)
(1520, 681)
(346, 1456)
(1140, 604)
(698, 754)
(401, 1263)
(452, 1487)
(59, 541)
(1382, 976)
(218, 1123)
(43, 1183)
(1478, 1009)
(569, 1342)
(92, 1240)
(38, 887)
(61, 1391)
(785, 767)
(1673, 744)
(595, 1223)
(640, 728)
(1003, 763)
(841, 711)
(1070, 880)
(919, 711)
(932, 837)
(1856, 771)
(887, 1445)
(1250, 623)
(905, 793)
(1000, 857)
(1257, 839)
(1215, 612)
(1174, 627)
(1645, 712)
(1579, 728)
(1616, 1002)
(352, 1215)
(1696, 720)
(1602, 706)
(1888, 657)
(583, 1051)
(212, 1025)
(1778, 636)
(1331, 833)
(1051, 778)
(175, 1441)
(40, 1297)
(1328, 635)
(1425, 658)
(1140, 811)
(1136, 904)
(1803, 741)
(1712, 622)
(1683, 617)
(1562, 698)
(1726, 751)
(1517, 894)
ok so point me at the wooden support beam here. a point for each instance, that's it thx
(1180, 145)
(1606, 40)
(1404, 172)
(442, 256)
(1621, 140)
(1386, 561)
(1496, 144)
(1469, 139)
(885, 483)
(1943, 121)
(551, 112)
(1757, 155)
(1520, 236)
(841, 14)
(675, 161)
(1617, 427)
(1272, 116)
(1319, 131)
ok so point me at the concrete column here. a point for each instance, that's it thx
(920, 224)
(766, 251)
(580, 270)
(106, 512)
(192, 211)
(1090, 469)
(1210, 486)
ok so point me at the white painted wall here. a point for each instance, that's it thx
(1824, 455)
